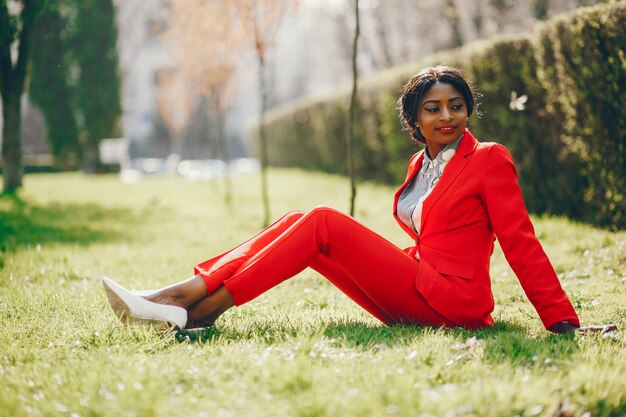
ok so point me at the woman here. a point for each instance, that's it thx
(459, 194)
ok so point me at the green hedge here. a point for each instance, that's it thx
(568, 143)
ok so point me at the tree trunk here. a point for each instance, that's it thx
(11, 86)
(541, 8)
(91, 157)
(352, 113)
(382, 35)
(465, 17)
(11, 144)
(452, 16)
(225, 156)
(263, 143)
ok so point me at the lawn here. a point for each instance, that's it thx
(303, 349)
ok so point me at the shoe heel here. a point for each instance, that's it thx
(132, 307)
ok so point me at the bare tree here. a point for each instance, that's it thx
(261, 20)
(174, 103)
(465, 20)
(206, 43)
(221, 97)
(352, 113)
(382, 34)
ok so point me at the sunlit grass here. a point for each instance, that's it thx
(303, 349)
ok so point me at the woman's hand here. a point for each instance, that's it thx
(599, 328)
(563, 327)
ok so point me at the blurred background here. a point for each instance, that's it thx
(177, 86)
(164, 109)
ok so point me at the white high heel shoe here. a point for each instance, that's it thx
(132, 307)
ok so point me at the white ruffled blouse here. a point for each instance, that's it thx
(412, 198)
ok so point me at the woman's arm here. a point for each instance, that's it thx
(515, 232)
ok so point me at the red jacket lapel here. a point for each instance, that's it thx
(451, 171)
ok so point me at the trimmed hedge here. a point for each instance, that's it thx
(569, 143)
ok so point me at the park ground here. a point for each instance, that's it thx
(303, 349)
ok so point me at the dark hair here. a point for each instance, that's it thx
(415, 89)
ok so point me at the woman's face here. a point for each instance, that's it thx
(442, 116)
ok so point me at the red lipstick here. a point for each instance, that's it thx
(446, 130)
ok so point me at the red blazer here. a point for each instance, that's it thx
(476, 200)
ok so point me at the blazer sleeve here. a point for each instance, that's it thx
(513, 229)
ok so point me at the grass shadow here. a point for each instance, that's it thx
(23, 224)
(504, 342)
(359, 334)
(355, 334)
(199, 335)
(507, 342)
(349, 333)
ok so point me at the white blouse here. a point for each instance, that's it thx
(412, 198)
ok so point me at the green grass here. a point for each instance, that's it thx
(302, 349)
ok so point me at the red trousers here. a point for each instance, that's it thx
(372, 271)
